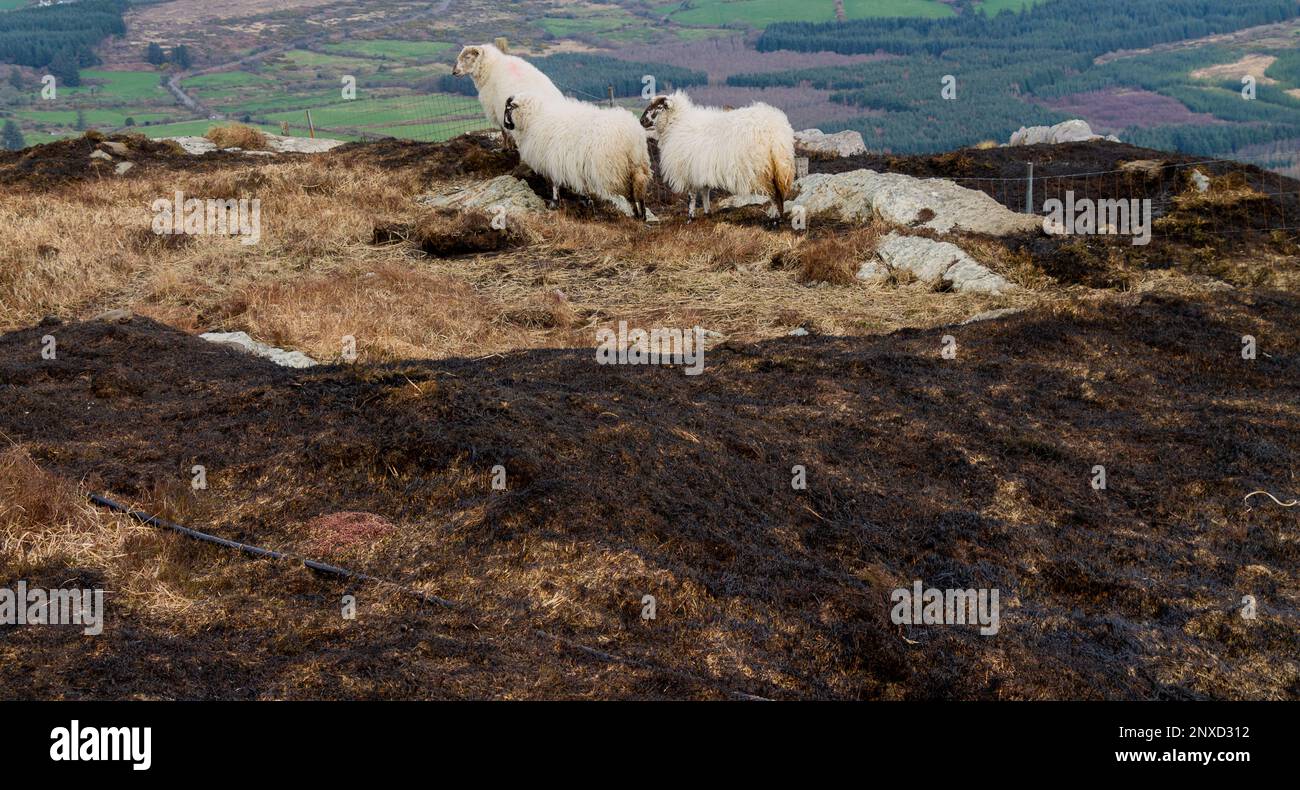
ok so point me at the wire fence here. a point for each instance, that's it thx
(427, 118)
(1237, 199)
(1222, 196)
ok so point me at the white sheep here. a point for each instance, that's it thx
(594, 151)
(497, 76)
(749, 151)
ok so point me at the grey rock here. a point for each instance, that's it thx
(301, 145)
(194, 145)
(241, 341)
(276, 143)
(122, 167)
(100, 155)
(991, 315)
(1072, 131)
(815, 142)
(873, 272)
(861, 195)
(739, 201)
(932, 261)
(512, 194)
(115, 148)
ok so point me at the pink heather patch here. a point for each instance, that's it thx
(332, 533)
(1114, 109)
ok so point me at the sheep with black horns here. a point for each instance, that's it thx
(497, 76)
(749, 151)
(594, 151)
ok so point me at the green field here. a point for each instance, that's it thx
(384, 112)
(107, 119)
(226, 79)
(608, 24)
(305, 59)
(105, 98)
(124, 85)
(435, 132)
(389, 48)
(992, 7)
(9, 5)
(760, 13)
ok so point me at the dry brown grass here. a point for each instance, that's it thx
(238, 136)
(317, 273)
(46, 522)
(1223, 191)
(833, 260)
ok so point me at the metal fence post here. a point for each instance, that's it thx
(1029, 191)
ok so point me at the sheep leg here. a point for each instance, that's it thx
(707, 195)
(690, 212)
(555, 196)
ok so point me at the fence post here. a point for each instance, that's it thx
(1029, 191)
(611, 95)
(311, 128)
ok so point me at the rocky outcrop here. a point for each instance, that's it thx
(933, 261)
(817, 144)
(241, 341)
(512, 194)
(1074, 131)
(276, 144)
(932, 203)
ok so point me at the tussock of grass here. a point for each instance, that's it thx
(238, 136)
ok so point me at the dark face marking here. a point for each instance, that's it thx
(509, 122)
(659, 104)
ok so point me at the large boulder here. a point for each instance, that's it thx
(817, 144)
(932, 261)
(512, 194)
(301, 145)
(932, 203)
(1073, 131)
(276, 143)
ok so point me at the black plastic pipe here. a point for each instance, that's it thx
(258, 551)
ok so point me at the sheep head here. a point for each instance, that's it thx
(661, 109)
(472, 60)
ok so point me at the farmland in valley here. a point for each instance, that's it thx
(877, 71)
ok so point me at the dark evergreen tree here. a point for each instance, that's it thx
(66, 69)
(11, 139)
(181, 57)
